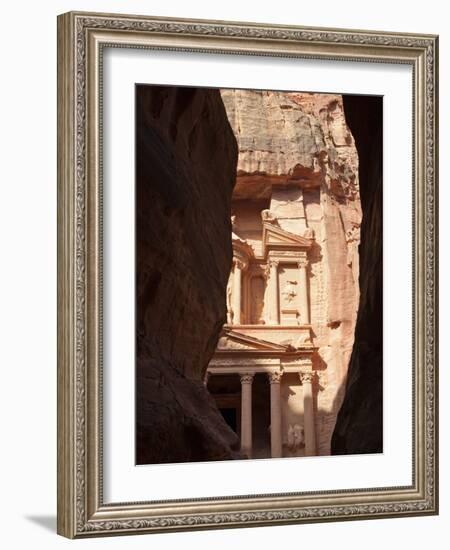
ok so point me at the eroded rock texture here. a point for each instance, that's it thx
(359, 427)
(186, 167)
(297, 156)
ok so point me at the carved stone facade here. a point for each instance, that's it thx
(279, 369)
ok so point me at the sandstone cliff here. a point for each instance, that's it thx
(297, 152)
(186, 168)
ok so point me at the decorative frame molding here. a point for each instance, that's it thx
(81, 37)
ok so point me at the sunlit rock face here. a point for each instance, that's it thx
(185, 173)
(359, 427)
(298, 169)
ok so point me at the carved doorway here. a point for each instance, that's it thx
(261, 416)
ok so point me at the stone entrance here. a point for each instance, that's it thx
(274, 408)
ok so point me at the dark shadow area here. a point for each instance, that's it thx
(261, 417)
(359, 425)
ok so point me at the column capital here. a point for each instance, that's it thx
(246, 377)
(303, 264)
(273, 263)
(237, 262)
(275, 377)
(306, 377)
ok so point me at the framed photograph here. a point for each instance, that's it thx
(247, 290)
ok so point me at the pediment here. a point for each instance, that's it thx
(273, 236)
(231, 340)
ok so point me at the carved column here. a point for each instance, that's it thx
(272, 294)
(303, 294)
(246, 414)
(237, 284)
(275, 414)
(308, 408)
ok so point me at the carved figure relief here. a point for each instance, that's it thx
(295, 437)
(289, 291)
(268, 216)
(229, 300)
(257, 288)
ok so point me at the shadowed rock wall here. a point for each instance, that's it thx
(186, 157)
(359, 426)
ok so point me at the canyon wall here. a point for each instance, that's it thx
(292, 160)
(186, 157)
(359, 427)
(298, 160)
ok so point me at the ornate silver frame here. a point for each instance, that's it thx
(81, 37)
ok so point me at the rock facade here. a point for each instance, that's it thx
(185, 173)
(298, 169)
